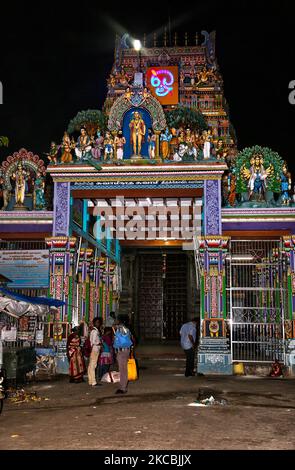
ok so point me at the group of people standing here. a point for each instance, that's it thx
(102, 348)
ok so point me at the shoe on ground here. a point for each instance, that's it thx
(96, 385)
(120, 392)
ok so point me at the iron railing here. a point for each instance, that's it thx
(257, 294)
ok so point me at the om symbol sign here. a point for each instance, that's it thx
(162, 80)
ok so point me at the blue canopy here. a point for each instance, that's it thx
(33, 300)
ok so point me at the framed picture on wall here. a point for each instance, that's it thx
(58, 330)
(214, 328)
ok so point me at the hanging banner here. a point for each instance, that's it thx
(25, 268)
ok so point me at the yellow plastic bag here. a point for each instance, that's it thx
(132, 369)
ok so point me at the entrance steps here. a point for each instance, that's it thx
(160, 350)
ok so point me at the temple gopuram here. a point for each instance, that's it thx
(147, 207)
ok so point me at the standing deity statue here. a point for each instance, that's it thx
(191, 143)
(208, 146)
(165, 139)
(108, 146)
(20, 177)
(152, 138)
(39, 187)
(286, 182)
(98, 146)
(83, 147)
(137, 132)
(119, 142)
(6, 193)
(66, 145)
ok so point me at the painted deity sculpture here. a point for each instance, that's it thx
(39, 187)
(97, 146)
(137, 132)
(119, 142)
(203, 76)
(257, 176)
(53, 152)
(165, 139)
(6, 193)
(221, 152)
(181, 152)
(208, 146)
(20, 176)
(152, 144)
(108, 146)
(285, 185)
(66, 156)
(191, 144)
(83, 147)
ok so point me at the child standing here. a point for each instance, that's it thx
(106, 357)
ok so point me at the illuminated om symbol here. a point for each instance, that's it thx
(162, 85)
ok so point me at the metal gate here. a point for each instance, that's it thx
(257, 296)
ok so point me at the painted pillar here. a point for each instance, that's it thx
(61, 262)
(61, 209)
(85, 262)
(288, 284)
(102, 281)
(212, 207)
(214, 351)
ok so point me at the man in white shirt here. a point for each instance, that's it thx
(188, 333)
(96, 346)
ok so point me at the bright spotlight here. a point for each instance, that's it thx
(137, 44)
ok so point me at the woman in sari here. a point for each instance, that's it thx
(75, 357)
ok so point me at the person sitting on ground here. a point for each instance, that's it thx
(276, 369)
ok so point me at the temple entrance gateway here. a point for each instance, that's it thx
(257, 300)
(162, 294)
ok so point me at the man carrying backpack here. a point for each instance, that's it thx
(122, 345)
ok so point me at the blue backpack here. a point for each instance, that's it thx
(122, 338)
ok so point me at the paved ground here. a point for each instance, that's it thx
(154, 414)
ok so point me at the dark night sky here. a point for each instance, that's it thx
(55, 59)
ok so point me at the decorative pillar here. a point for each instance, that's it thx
(288, 284)
(214, 351)
(85, 262)
(289, 258)
(61, 209)
(212, 207)
(102, 281)
(61, 262)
